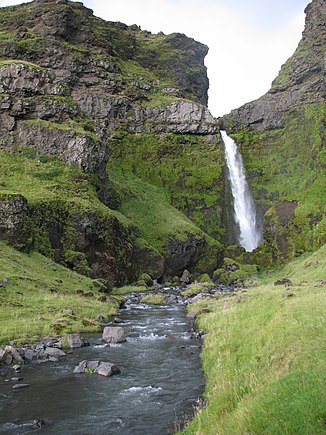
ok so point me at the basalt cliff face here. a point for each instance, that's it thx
(282, 138)
(111, 161)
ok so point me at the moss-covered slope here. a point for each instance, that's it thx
(39, 297)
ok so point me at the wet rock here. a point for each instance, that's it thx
(15, 356)
(20, 386)
(107, 369)
(117, 320)
(103, 368)
(17, 368)
(38, 423)
(81, 367)
(113, 334)
(54, 351)
(75, 341)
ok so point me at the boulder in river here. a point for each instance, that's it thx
(103, 368)
(113, 334)
(54, 351)
(107, 369)
(74, 341)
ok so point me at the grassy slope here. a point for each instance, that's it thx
(188, 167)
(265, 357)
(39, 287)
(149, 208)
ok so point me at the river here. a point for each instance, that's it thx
(159, 383)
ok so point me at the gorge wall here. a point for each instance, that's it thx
(282, 138)
(112, 163)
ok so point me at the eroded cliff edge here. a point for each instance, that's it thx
(126, 110)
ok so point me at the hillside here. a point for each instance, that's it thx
(85, 102)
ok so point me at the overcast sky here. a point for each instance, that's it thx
(248, 40)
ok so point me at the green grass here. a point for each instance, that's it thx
(153, 299)
(149, 208)
(40, 177)
(265, 357)
(6, 62)
(38, 287)
(129, 289)
(186, 166)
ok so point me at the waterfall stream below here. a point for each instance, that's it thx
(159, 383)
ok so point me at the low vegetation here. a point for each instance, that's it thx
(39, 297)
(264, 355)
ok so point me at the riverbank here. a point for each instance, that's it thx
(264, 355)
(39, 297)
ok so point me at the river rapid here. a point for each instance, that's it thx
(159, 383)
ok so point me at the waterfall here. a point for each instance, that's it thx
(245, 214)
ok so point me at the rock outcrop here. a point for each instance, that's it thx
(300, 82)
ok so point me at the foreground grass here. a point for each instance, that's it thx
(265, 357)
(36, 288)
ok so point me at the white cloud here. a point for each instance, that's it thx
(243, 59)
(245, 55)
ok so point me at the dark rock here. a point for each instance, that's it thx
(186, 277)
(38, 423)
(29, 355)
(100, 318)
(113, 334)
(17, 368)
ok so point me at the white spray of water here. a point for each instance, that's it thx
(244, 207)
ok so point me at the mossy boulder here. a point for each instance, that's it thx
(145, 279)
(153, 299)
(203, 278)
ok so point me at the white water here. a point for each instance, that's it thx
(244, 207)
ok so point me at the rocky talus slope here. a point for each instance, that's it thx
(282, 137)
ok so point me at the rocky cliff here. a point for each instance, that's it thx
(88, 109)
(282, 138)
